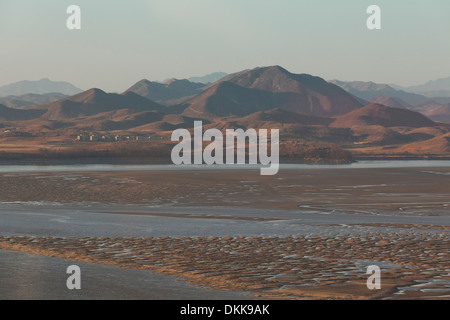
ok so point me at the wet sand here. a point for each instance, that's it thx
(302, 267)
(394, 191)
(303, 234)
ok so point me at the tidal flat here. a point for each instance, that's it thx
(302, 234)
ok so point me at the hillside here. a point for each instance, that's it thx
(436, 145)
(376, 114)
(286, 117)
(268, 88)
(440, 113)
(9, 114)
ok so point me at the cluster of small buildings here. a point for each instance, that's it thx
(112, 138)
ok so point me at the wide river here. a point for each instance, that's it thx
(126, 167)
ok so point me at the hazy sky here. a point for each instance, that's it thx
(122, 42)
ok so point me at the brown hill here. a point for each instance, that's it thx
(167, 93)
(228, 99)
(268, 88)
(129, 120)
(377, 114)
(437, 145)
(95, 101)
(169, 122)
(9, 114)
(286, 117)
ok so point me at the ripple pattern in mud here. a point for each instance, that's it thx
(310, 266)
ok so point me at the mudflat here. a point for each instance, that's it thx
(398, 191)
(399, 221)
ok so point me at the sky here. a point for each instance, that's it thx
(122, 42)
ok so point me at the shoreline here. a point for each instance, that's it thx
(128, 284)
(141, 161)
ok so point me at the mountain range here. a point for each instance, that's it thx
(366, 118)
(371, 90)
(434, 88)
(389, 96)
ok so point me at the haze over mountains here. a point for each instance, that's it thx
(367, 117)
(42, 86)
(371, 90)
(433, 88)
(387, 95)
(209, 78)
(30, 99)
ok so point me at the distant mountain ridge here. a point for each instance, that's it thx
(172, 92)
(42, 86)
(432, 89)
(209, 78)
(372, 90)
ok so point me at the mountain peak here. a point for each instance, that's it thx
(266, 88)
(273, 68)
(90, 94)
